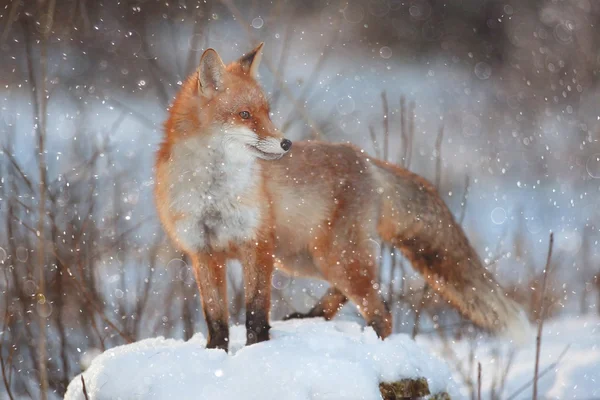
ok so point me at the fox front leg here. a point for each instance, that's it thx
(257, 265)
(210, 274)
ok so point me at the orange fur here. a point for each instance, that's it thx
(317, 211)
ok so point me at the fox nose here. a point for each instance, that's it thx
(286, 144)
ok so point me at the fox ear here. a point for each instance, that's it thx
(250, 62)
(210, 73)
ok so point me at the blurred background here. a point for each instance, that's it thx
(495, 102)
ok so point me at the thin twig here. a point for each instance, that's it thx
(538, 339)
(143, 300)
(59, 302)
(137, 114)
(438, 158)
(451, 355)
(81, 287)
(374, 141)
(11, 17)
(394, 260)
(511, 358)
(192, 58)
(419, 310)
(403, 133)
(285, 52)
(313, 77)
(478, 381)
(541, 375)
(17, 167)
(85, 394)
(471, 358)
(40, 103)
(4, 377)
(76, 170)
(411, 134)
(438, 175)
(386, 126)
(463, 203)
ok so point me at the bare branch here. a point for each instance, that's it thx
(11, 17)
(463, 203)
(386, 126)
(478, 381)
(40, 103)
(403, 133)
(542, 310)
(438, 158)
(17, 168)
(419, 309)
(85, 394)
(549, 368)
(312, 78)
(374, 141)
(411, 133)
(283, 57)
(2, 364)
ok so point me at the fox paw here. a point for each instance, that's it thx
(260, 335)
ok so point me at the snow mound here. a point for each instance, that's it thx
(305, 359)
(569, 361)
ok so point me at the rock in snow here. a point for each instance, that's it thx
(305, 359)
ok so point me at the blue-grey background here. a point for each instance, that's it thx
(513, 86)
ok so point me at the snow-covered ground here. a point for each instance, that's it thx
(576, 374)
(305, 359)
(314, 359)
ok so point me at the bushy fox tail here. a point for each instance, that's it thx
(415, 220)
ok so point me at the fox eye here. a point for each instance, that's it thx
(245, 114)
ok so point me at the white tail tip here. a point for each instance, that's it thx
(518, 329)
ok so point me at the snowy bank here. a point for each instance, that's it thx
(569, 361)
(305, 359)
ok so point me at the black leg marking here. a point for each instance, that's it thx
(257, 326)
(218, 334)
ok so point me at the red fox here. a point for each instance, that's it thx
(230, 186)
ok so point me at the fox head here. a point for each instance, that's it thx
(227, 103)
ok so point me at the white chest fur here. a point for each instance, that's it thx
(209, 186)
